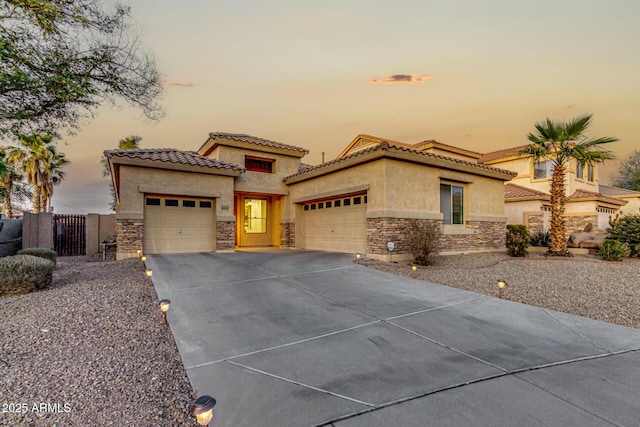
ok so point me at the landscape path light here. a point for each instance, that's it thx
(148, 272)
(164, 306)
(143, 258)
(139, 252)
(501, 285)
(358, 256)
(202, 409)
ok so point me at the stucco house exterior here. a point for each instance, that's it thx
(240, 191)
(527, 196)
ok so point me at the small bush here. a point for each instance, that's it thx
(540, 239)
(422, 239)
(613, 250)
(626, 229)
(517, 240)
(45, 253)
(21, 274)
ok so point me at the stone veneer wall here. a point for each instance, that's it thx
(486, 236)
(578, 223)
(129, 237)
(225, 235)
(535, 224)
(287, 235)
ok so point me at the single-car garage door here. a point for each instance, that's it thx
(337, 225)
(178, 225)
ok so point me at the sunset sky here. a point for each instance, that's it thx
(474, 74)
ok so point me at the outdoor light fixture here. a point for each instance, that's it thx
(139, 252)
(202, 409)
(358, 255)
(143, 258)
(501, 285)
(164, 306)
(414, 268)
(149, 273)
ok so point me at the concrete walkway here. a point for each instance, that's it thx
(302, 338)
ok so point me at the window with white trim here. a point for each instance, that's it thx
(542, 170)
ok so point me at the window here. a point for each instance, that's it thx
(327, 204)
(171, 202)
(153, 202)
(255, 216)
(451, 204)
(357, 200)
(542, 170)
(189, 203)
(256, 164)
(590, 173)
(306, 207)
(320, 205)
(204, 204)
(336, 203)
(313, 206)
(579, 170)
(365, 199)
(346, 202)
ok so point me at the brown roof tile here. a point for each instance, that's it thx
(501, 154)
(385, 145)
(172, 155)
(608, 190)
(255, 140)
(514, 191)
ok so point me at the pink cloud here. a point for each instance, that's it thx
(175, 82)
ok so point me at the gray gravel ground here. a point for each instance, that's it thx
(582, 285)
(94, 347)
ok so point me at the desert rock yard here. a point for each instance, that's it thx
(583, 285)
(93, 345)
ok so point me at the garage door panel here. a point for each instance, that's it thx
(339, 229)
(178, 229)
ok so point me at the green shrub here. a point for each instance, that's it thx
(541, 239)
(626, 229)
(517, 240)
(422, 240)
(21, 274)
(40, 252)
(613, 250)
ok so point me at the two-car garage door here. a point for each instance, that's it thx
(178, 225)
(337, 225)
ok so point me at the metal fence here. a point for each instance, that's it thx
(69, 234)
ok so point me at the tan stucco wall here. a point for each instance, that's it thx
(171, 182)
(524, 169)
(258, 182)
(632, 207)
(515, 211)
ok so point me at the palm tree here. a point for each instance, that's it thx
(41, 164)
(11, 185)
(559, 142)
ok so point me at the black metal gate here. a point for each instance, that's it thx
(69, 234)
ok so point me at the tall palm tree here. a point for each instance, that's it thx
(12, 187)
(41, 164)
(560, 142)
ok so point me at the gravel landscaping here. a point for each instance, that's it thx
(91, 349)
(583, 285)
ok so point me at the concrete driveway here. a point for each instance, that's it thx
(302, 338)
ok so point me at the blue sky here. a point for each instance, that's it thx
(301, 72)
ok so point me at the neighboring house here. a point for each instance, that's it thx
(631, 197)
(527, 196)
(242, 191)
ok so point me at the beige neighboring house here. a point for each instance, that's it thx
(241, 191)
(527, 196)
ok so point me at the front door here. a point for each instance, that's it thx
(255, 221)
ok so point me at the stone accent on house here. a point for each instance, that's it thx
(287, 235)
(536, 224)
(225, 235)
(129, 237)
(575, 223)
(485, 236)
(478, 236)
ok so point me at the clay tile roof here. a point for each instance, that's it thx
(303, 167)
(514, 190)
(172, 155)
(581, 194)
(500, 154)
(385, 145)
(608, 190)
(256, 140)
